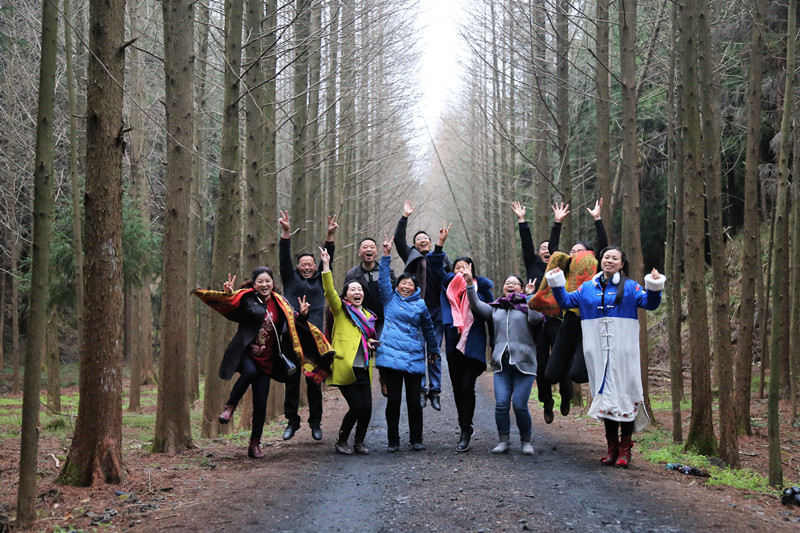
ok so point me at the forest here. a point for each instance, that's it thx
(146, 149)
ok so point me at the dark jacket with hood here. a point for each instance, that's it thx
(412, 258)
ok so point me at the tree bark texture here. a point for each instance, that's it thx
(40, 259)
(96, 452)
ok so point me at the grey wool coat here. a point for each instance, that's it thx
(513, 331)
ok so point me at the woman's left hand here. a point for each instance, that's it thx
(654, 274)
(304, 305)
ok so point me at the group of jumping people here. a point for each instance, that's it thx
(574, 319)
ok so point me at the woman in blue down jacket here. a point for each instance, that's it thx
(401, 354)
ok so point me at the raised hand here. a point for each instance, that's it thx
(407, 208)
(519, 211)
(387, 245)
(654, 274)
(598, 206)
(283, 222)
(326, 259)
(304, 305)
(530, 288)
(227, 286)
(332, 226)
(560, 211)
(444, 231)
(467, 277)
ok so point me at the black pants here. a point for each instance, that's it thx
(251, 376)
(358, 396)
(566, 359)
(545, 340)
(291, 401)
(612, 427)
(464, 372)
(394, 385)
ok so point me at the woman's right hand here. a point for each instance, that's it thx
(227, 286)
(530, 288)
(387, 245)
(560, 211)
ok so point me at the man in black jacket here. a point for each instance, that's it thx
(303, 280)
(367, 273)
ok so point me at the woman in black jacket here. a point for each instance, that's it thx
(266, 331)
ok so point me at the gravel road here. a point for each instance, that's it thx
(561, 488)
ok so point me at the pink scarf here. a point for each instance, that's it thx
(459, 305)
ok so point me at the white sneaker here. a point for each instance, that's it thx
(502, 447)
(527, 448)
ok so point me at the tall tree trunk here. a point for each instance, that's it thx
(631, 221)
(301, 239)
(712, 149)
(794, 282)
(77, 229)
(313, 181)
(2, 316)
(173, 432)
(541, 216)
(14, 245)
(780, 255)
(227, 233)
(750, 249)
(673, 253)
(96, 451)
(53, 363)
(701, 430)
(602, 150)
(562, 98)
(40, 261)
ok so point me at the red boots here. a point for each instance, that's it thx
(227, 413)
(625, 446)
(254, 450)
(613, 450)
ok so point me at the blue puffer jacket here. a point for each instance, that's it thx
(407, 320)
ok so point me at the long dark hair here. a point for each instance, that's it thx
(347, 286)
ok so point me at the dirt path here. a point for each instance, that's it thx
(303, 486)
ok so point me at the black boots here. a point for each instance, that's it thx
(464, 441)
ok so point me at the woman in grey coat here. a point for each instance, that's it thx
(513, 357)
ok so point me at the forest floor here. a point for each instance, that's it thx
(215, 487)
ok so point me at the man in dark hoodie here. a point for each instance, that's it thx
(415, 259)
(303, 280)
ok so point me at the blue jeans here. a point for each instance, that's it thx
(512, 388)
(434, 373)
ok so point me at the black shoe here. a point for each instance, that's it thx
(316, 433)
(464, 442)
(423, 399)
(393, 448)
(290, 431)
(565, 406)
(436, 403)
(417, 447)
(548, 412)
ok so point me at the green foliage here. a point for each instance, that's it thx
(141, 247)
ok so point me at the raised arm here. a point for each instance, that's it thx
(400, 241)
(560, 211)
(525, 238)
(650, 298)
(285, 250)
(334, 302)
(384, 272)
(602, 237)
(479, 308)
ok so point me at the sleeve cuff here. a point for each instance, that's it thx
(654, 284)
(556, 279)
